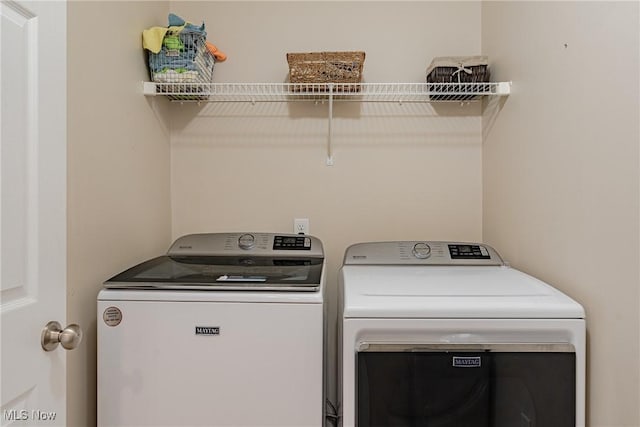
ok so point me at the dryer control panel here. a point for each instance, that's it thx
(422, 253)
(468, 251)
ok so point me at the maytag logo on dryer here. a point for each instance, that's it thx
(467, 362)
(207, 330)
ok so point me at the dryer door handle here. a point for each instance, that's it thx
(463, 347)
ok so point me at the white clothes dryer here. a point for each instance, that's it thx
(226, 329)
(445, 334)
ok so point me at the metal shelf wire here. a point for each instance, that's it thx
(356, 92)
(330, 92)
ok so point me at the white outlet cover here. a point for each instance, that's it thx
(301, 225)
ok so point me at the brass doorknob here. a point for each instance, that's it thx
(53, 334)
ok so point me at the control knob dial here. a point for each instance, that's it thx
(246, 241)
(421, 250)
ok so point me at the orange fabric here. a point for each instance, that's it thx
(213, 50)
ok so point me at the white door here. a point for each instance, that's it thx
(33, 209)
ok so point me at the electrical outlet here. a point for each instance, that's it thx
(301, 225)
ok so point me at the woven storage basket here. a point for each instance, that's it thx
(456, 69)
(326, 67)
(182, 65)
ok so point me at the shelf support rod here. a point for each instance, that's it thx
(330, 124)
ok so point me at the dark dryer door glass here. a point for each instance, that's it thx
(466, 389)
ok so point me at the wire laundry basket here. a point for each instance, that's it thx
(182, 64)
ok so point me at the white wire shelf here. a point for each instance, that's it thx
(357, 92)
(330, 92)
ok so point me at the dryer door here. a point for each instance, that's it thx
(507, 385)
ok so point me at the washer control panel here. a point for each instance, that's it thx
(247, 244)
(422, 253)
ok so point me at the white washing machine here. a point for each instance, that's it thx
(224, 330)
(445, 334)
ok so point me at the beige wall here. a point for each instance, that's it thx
(118, 170)
(560, 173)
(401, 172)
(558, 169)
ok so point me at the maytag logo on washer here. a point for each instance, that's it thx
(207, 330)
(467, 362)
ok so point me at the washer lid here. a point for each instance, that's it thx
(450, 292)
(231, 261)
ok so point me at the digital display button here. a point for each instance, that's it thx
(295, 243)
(468, 252)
